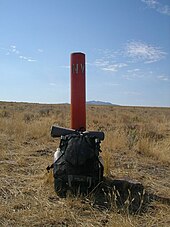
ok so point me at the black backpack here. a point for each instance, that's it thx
(79, 167)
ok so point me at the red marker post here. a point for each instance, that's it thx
(78, 91)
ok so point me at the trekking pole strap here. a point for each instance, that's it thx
(50, 167)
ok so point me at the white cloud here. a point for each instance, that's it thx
(23, 57)
(31, 60)
(40, 50)
(163, 77)
(135, 73)
(109, 61)
(112, 84)
(158, 6)
(113, 67)
(27, 58)
(127, 59)
(52, 84)
(133, 70)
(164, 9)
(13, 51)
(140, 51)
(101, 62)
(13, 47)
(133, 76)
(151, 3)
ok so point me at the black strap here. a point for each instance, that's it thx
(50, 167)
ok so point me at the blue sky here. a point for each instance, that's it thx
(126, 42)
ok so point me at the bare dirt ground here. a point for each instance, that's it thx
(136, 147)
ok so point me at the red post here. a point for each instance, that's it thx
(78, 91)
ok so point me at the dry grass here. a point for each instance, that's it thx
(137, 146)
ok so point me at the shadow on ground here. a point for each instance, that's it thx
(125, 196)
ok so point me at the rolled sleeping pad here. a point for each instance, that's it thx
(57, 131)
(99, 135)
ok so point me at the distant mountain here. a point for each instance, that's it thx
(100, 103)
